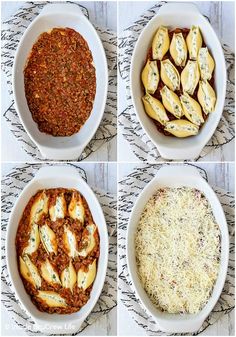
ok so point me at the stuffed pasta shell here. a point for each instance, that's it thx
(206, 64)
(76, 208)
(49, 273)
(192, 109)
(206, 97)
(190, 77)
(89, 240)
(51, 298)
(68, 277)
(178, 49)
(170, 75)
(160, 43)
(86, 278)
(194, 42)
(29, 271)
(171, 102)
(39, 207)
(34, 240)
(58, 210)
(155, 109)
(70, 242)
(48, 239)
(150, 76)
(181, 128)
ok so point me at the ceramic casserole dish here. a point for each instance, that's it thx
(177, 176)
(54, 16)
(54, 177)
(181, 15)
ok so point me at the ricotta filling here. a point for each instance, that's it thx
(184, 127)
(191, 83)
(206, 97)
(152, 77)
(194, 43)
(160, 42)
(204, 64)
(179, 49)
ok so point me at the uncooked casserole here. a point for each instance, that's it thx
(178, 79)
(57, 245)
(177, 246)
(60, 82)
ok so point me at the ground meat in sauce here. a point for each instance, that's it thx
(60, 82)
(61, 260)
(157, 93)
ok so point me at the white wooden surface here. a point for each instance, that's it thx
(221, 175)
(102, 14)
(221, 16)
(102, 176)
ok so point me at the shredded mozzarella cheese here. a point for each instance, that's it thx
(178, 250)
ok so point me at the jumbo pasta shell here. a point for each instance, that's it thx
(171, 102)
(206, 97)
(70, 242)
(190, 77)
(39, 207)
(25, 272)
(76, 207)
(155, 109)
(29, 271)
(89, 240)
(170, 75)
(52, 299)
(85, 279)
(68, 277)
(178, 49)
(192, 109)
(49, 273)
(34, 240)
(48, 239)
(150, 76)
(160, 43)
(58, 210)
(181, 128)
(206, 64)
(194, 42)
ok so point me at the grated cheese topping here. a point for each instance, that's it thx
(177, 245)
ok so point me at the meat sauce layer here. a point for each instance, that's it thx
(60, 82)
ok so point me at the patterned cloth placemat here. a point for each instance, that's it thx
(12, 184)
(12, 31)
(130, 127)
(129, 189)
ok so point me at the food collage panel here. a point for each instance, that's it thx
(118, 168)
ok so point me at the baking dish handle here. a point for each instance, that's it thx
(57, 171)
(58, 8)
(59, 327)
(178, 7)
(170, 171)
(179, 326)
(60, 154)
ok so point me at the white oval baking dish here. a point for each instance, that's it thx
(176, 176)
(52, 177)
(51, 16)
(182, 15)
